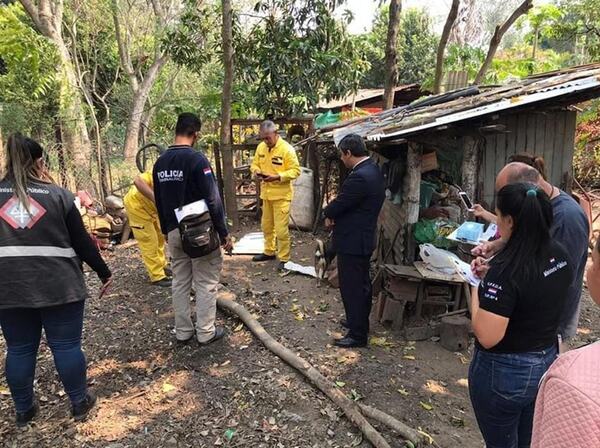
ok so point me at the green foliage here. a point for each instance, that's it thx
(517, 63)
(28, 83)
(296, 54)
(586, 160)
(28, 57)
(464, 58)
(416, 48)
(194, 39)
(581, 27)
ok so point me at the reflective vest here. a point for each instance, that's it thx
(38, 265)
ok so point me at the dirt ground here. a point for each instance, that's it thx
(153, 393)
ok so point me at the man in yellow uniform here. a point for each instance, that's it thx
(276, 165)
(143, 220)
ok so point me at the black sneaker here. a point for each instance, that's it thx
(263, 257)
(168, 272)
(23, 418)
(80, 411)
(219, 333)
(163, 282)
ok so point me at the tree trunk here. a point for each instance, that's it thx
(391, 54)
(47, 18)
(470, 166)
(411, 195)
(72, 117)
(439, 63)
(140, 98)
(225, 146)
(2, 155)
(536, 34)
(497, 38)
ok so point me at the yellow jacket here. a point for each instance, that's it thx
(137, 203)
(281, 160)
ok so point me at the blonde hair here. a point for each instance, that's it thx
(21, 155)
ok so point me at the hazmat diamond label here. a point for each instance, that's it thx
(17, 216)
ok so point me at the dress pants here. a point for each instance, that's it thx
(355, 287)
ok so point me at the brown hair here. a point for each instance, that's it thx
(21, 155)
(534, 161)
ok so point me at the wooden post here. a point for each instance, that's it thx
(470, 166)
(313, 164)
(218, 168)
(412, 193)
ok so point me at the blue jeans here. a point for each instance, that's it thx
(503, 388)
(22, 329)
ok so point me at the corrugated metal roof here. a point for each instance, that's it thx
(569, 86)
(361, 95)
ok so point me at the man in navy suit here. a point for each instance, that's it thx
(353, 216)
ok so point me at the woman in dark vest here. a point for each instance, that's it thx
(42, 246)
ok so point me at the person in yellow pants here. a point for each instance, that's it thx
(143, 220)
(276, 165)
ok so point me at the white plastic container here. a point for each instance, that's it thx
(302, 208)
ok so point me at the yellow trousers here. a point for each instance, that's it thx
(146, 231)
(275, 227)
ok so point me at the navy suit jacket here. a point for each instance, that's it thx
(356, 208)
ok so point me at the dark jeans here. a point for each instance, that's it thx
(22, 328)
(503, 388)
(355, 287)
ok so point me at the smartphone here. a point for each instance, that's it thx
(465, 199)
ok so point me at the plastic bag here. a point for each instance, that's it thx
(438, 259)
(435, 231)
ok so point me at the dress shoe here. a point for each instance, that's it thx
(219, 333)
(81, 410)
(163, 282)
(23, 418)
(281, 267)
(263, 257)
(344, 323)
(349, 342)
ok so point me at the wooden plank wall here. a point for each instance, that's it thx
(550, 134)
(389, 223)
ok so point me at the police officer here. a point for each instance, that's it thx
(143, 220)
(276, 165)
(182, 176)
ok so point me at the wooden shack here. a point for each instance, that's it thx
(471, 132)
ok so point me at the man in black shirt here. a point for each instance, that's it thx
(183, 176)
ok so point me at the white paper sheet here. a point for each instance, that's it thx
(194, 208)
(464, 270)
(250, 244)
(306, 270)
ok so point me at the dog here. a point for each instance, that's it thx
(324, 255)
